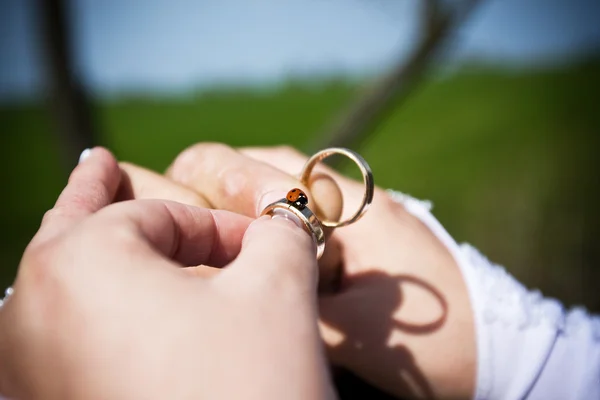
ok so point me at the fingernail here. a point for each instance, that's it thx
(84, 154)
(259, 220)
(252, 225)
(293, 221)
(268, 198)
(262, 218)
(287, 216)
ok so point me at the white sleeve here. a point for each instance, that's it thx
(528, 346)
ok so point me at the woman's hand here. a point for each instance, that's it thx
(402, 319)
(102, 307)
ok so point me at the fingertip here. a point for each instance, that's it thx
(276, 257)
(84, 154)
(268, 198)
(254, 228)
(93, 183)
(99, 162)
(104, 155)
(279, 240)
(279, 227)
(91, 186)
(97, 153)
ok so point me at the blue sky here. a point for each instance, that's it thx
(160, 45)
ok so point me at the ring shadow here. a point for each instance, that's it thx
(379, 309)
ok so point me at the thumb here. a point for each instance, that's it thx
(277, 250)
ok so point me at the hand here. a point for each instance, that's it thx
(402, 319)
(102, 307)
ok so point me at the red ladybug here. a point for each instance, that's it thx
(297, 197)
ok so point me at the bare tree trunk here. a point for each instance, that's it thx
(371, 109)
(69, 102)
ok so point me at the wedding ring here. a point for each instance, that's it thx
(296, 203)
(365, 170)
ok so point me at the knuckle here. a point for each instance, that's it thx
(235, 180)
(38, 272)
(196, 155)
(209, 148)
(52, 214)
(56, 213)
(38, 254)
(289, 151)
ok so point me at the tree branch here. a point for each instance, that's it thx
(371, 109)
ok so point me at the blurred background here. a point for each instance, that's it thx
(488, 108)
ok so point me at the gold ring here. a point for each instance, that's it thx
(366, 174)
(296, 203)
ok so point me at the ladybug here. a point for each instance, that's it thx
(297, 197)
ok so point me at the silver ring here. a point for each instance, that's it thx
(309, 220)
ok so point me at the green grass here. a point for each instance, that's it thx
(507, 158)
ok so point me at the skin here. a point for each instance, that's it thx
(113, 301)
(400, 316)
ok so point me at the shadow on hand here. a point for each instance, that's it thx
(375, 299)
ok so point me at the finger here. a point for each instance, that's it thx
(141, 183)
(235, 182)
(188, 235)
(232, 181)
(91, 187)
(277, 252)
(332, 264)
(285, 158)
(331, 269)
(289, 159)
